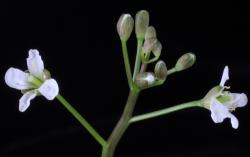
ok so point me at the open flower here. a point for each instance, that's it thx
(221, 103)
(34, 82)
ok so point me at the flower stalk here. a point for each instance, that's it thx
(196, 103)
(171, 71)
(82, 120)
(127, 63)
(138, 58)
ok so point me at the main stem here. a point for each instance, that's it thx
(83, 121)
(122, 125)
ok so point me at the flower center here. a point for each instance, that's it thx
(223, 98)
(35, 81)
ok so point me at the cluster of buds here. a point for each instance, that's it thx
(150, 49)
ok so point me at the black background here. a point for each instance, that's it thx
(80, 47)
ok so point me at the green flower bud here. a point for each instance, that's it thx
(185, 61)
(144, 80)
(161, 71)
(149, 45)
(141, 23)
(157, 49)
(150, 33)
(150, 40)
(125, 26)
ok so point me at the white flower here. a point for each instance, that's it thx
(221, 102)
(33, 82)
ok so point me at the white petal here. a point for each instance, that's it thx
(236, 100)
(219, 112)
(49, 89)
(24, 102)
(240, 100)
(225, 76)
(234, 121)
(17, 79)
(35, 63)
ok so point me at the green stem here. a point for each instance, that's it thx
(127, 63)
(165, 111)
(122, 125)
(138, 58)
(83, 121)
(171, 71)
(143, 67)
(145, 64)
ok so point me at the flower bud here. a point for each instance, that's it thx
(141, 23)
(149, 45)
(150, 40)
(144, 80)
(161, 71)
(185, 61)
(150, 33)
(125, 26)
(157, 49)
